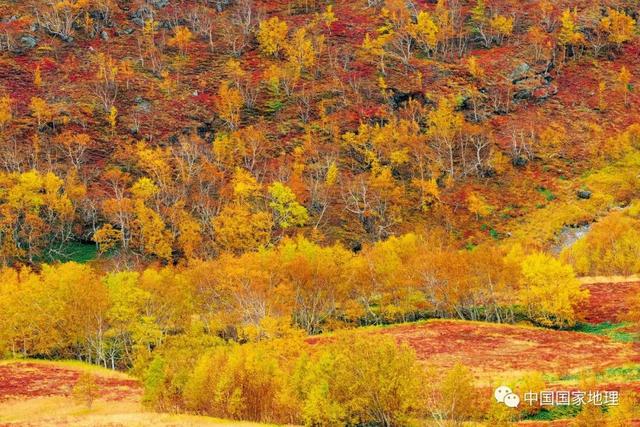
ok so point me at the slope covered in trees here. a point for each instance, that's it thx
(184, 129)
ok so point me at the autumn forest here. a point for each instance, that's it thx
(319, 212)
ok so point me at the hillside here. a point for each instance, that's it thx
(456, 121)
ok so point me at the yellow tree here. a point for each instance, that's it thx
(58, 17)
(181, 39)
(287, 211)
(106, 80)
(315, 277)
(539, 41)
(426, 31)
(452, 398)
(474, 67)
(477, 205)
(238, 229)
(445, 126)
(37, 77)
(107, 238)
(301, 51)
(619, 26)
(624, 84)
(6, 113)
(243, 225)
(611, 247)
(228, 104)
(74, 146)
(149, 228)
(340, 385)
(550, 291)
(272, 36)
(36, 214)
(569, 36)
(187, 231)
(41, 110)
(374, 48)
(502, 27)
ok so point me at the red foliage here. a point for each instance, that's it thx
(608, 302)
(28, 380)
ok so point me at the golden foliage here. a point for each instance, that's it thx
(272, 36)
(550, 291)
(612, 246)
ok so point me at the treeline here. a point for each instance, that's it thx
(361, 378)
(347, 380)
(72, 310)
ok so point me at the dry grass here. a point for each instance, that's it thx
(590, 280)
(62, 411)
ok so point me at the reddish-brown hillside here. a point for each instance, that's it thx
(492, 350)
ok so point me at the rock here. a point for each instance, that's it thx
(125, 32)
(142, 104)
(204, 130)
(222, 4)
(519, 161)
(28, 42)
(141, 15)
(584, 194)
(158, 4)
(104, 35)
(488, 173)
(523, 94)
(569, 235)
(520, 72)
(98, 15)
(399, 98)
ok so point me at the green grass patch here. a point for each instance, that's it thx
(73, 251)
(619, 374)
(615, 331)
(547, 194)
(555, 413)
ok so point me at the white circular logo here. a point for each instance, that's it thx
(512, 400)
(501, 392)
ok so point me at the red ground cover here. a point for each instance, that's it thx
(493, 348)
(29, 380)
(608, 301)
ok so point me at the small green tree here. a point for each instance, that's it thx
(287, 211)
